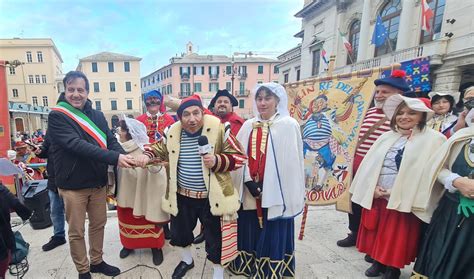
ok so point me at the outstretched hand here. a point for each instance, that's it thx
(126, 161)
(142, 161)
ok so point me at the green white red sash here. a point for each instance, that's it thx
(84, 122)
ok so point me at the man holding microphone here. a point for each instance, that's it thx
(199, 181)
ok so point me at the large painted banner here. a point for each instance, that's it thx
(330, 112)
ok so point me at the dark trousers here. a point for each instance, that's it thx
(354, 218)
(182, 226)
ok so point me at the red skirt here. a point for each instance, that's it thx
(388, 236)
(137, 232)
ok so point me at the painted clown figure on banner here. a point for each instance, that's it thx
(330, 112)
(155, 119)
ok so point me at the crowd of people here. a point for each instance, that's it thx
(412, 190)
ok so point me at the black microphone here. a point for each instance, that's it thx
(204, 146)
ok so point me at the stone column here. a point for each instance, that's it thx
(406, 24)
(364, 32)
(447, 79)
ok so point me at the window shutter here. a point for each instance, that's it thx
(180, 71)
(194, 70)
(218, 70)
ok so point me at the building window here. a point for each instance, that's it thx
(243, 70)
(43, 78)
(31, 79)
(113, 104)
(285, 77)
(197, 87)
(39, 55)
(315, 65)
(35, 100)
(126, 66)
(185, 89)
(128, 86)
(228, 70)
(213, 87)
(12, 70)
(354, 36)
(94, 67)
(129, 104)
(45, 101)
(228, 86)
(298, 71)
(169, 89)
(163, 90)
(242, 88)
(112, 86)
(198, 70)
(98, 105)
(276, 70)
(96, 87)
(15, 93)
(260, 69)
(241, 103)
(37, 79)
(437, 6)
(29, 58)
(171, 71)
(214, 72)
(390, 15)
(111, 67)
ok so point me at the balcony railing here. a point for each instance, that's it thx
(213, 76)
(428, 49)
(241, 93)
(242, 75)
(184, 76)
(184, 94)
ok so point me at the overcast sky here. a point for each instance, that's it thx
(154, 30)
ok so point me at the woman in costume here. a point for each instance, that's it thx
(139, 195)
(443, 104)
(447, 250)
(271, 187)
(385, 186)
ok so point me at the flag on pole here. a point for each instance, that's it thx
(426, 16)
(380, 33)
(347, 45)
(323, 55)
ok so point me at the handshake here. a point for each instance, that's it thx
(128, 161)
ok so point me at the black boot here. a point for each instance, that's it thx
(157, 256)
(349, 241)
(368, 259)
(125, 252)
(105, 269)
(375, 269)
(54, 242)
(200, 238)
(392, 273)
(86, 275)
(181, 269)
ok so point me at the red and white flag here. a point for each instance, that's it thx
(426, 16)
(346, 43)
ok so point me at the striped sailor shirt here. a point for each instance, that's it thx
(190, 175)
(373, 116)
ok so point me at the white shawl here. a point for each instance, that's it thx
(283, 187)
(418, 149)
